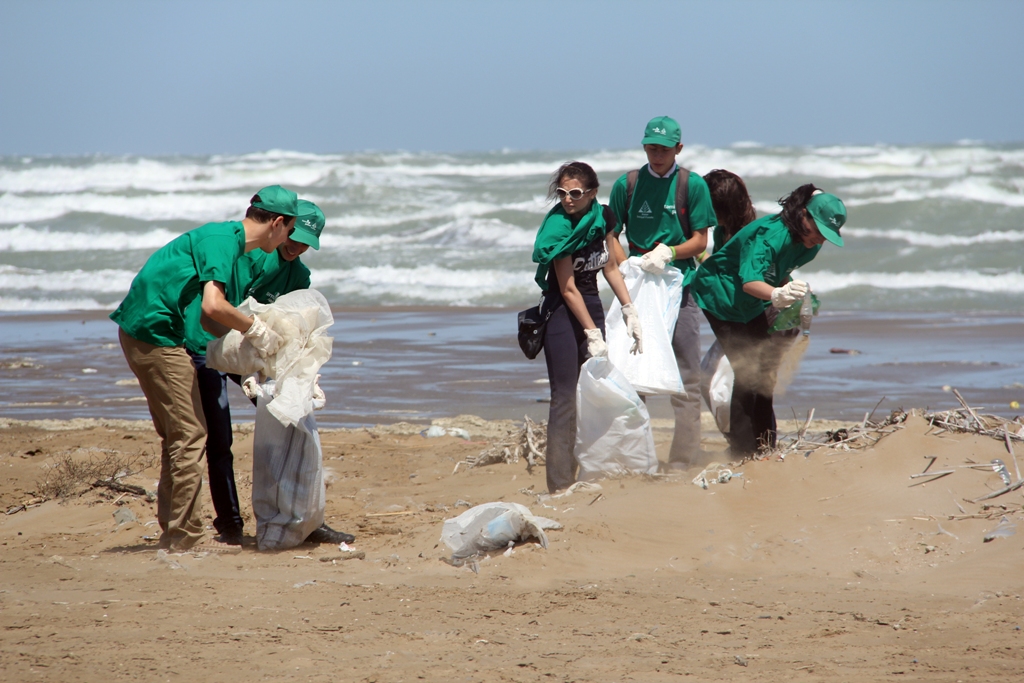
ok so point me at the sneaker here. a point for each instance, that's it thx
(229, 537)
(326, 534)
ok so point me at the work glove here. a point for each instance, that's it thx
(595, 344)
(319, 399)
(789, 293)
(632, 321)
(263, 339)
(251, 387)
(656, 259)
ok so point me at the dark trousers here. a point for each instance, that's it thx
(755, 364)
(686, 346)
(565, 350)
(213, 392)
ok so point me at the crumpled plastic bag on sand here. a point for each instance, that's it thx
(492, 526)
(301, 318)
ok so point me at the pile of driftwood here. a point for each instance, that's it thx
(863, 435)
(529, 442)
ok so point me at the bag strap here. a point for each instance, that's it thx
(683, 201)
(630, 186)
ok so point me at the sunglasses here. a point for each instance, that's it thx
(573, 194)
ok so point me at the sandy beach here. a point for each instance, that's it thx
(828, 564)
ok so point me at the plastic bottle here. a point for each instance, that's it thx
(806, 313)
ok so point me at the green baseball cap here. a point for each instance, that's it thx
(278, 200)
(662, 130)
(829, 214)
(309, 224)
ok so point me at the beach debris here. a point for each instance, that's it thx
(849, 352)
(435, 431)
(75, 471)
(15, 509)
(1004, 529)
(301, 584)
(740, 660)
(578, 486)
(490, 527)
(528, 441)
(119, 487)
(999, 467)
(715, 473)
(164, 557)
(124, 515)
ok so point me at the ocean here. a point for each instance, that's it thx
(930, 228)
(426, 258)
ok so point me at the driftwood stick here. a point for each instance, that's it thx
(935, 475)
(868, 418)
(119, 487)
(1012, 487)
(968, 408)
(1009, 447)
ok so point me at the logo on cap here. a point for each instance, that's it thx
(660, 130)
(835, 221)
(309, 224)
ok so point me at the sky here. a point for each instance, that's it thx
(225, 76)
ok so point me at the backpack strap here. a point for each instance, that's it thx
(630, 186)
(683, 201)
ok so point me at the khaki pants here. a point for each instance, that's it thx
(168, 380)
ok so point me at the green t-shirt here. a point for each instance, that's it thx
(652, 213)
(258, 274)
(763, 251)
(154, 309)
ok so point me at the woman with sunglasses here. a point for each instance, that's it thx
(737, 284)
(572, 245)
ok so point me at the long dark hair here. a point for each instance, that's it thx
(576, 170)
(794, 209)
(731, 201)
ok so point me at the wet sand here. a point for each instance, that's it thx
(417, 364)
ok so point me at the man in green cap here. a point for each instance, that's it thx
(152, 334)
(264, 277)
(666, 212)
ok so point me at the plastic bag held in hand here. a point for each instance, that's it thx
(262, 338)
(632, 321)
(596, 346)
(656, 259)
(789, 293)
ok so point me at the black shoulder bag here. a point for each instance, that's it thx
(532, 323)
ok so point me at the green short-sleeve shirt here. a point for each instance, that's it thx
(258, 274)
(651, 216)
(763, 251)
(154, 309)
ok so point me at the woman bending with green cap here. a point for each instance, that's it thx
(571, 247)
(737, 284)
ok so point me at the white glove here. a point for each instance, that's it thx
(656, 259)
(263, 339)
(319, 399)
(789, 293)
(595, 344)
(632, 321)
(251, 387)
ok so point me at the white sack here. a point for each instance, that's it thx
(492, 526)
(288, 492)
(613, 428)
(716, 380)
(656, 299)
(301, 318)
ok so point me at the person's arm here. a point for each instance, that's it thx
(692, 247)
(612, 274)
(218, 311)
(572, 296)
(760, 289)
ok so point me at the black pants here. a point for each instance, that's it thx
(755, 364)
(565, 350)
(213, 391)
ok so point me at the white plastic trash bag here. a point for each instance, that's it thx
(288, 492)
(301, 318)
(656, 299)
(613, 427)
(493, 526)
(716, 380)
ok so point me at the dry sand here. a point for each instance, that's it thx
(820, 567)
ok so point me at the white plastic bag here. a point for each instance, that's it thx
(613, 428)
(492, 526)
(716, 380)
(301, 318)
(656, 299)
(288, 492)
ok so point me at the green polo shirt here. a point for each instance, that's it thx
(652, 213)
(154, 309)
(763, 251)
(258, 274)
